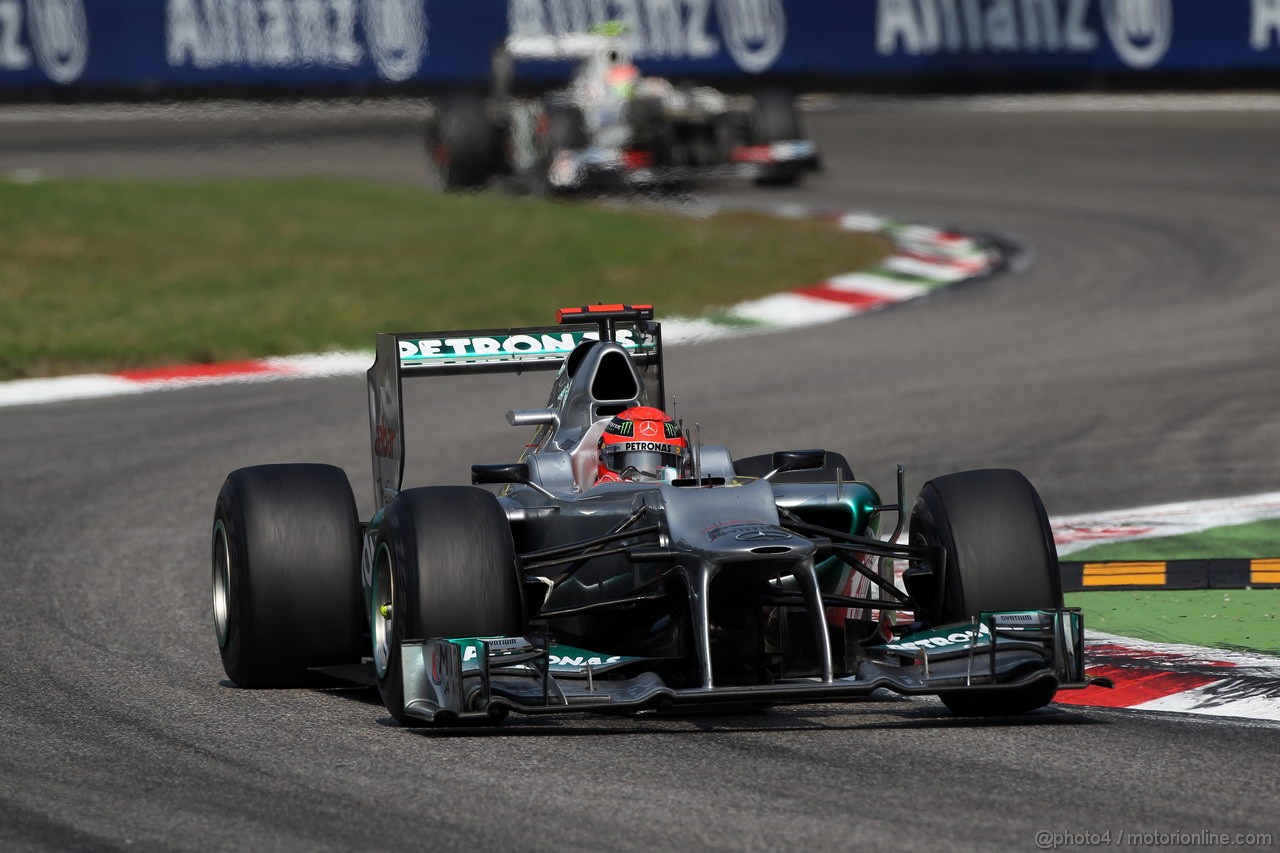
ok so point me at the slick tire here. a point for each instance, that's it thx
(732, 130)
(463, 144)
(286, 574)
(776, 119)
(1000, 556)
(444, 566)
(650, 129)
(565, 129)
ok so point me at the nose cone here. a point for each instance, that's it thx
(752, 552)
(731, 524)
(737, 540)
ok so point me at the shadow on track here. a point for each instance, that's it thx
(901, 714)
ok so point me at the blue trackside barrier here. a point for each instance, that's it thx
(183, 47)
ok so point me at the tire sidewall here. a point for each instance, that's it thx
(999, 549)
(294, 599)
(418, 529)
(229, 514)
(994, 530)
(398, 537)
(468, 139)
(775, 118)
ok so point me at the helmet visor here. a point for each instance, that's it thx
(643, 461)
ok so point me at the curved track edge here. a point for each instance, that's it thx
(925, 260)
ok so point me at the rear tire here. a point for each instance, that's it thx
(1000, 556)
(286, 574)
(732, 130)
(444, 566)
(565, 129)
(463, 144)
(776, 120)
(650, 129)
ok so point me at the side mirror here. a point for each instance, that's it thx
(531, 417)
(507, 472)
(797, 460)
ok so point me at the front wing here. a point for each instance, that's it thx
(449, 679)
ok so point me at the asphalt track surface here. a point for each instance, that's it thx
(1136, 362)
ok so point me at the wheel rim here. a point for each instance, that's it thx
(221, 584)
(382, 598)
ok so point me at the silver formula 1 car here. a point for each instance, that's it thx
(611, 127)
(761, 580)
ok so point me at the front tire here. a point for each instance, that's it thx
(566, 127)
(999, 556)
(286, 574)
(444, 566)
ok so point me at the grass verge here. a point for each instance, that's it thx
(1225, 619)
(102, 275)
(1253, 540)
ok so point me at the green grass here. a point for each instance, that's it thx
(1227, 619)
(104, 275)
(1254, 540)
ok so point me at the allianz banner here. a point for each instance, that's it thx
(176, 46)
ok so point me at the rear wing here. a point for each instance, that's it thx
(547, 51)
(568, 46)
(401, 355)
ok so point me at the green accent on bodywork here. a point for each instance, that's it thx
(952, 638)
(940, 640)
(506, 347)
(866, 518)
(859, 499)
(564, 659)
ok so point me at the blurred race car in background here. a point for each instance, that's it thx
(611, 127)
(720, 581)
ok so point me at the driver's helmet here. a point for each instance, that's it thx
(638, 443)
(620, 75)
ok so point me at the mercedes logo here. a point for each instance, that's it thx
(762, 535)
